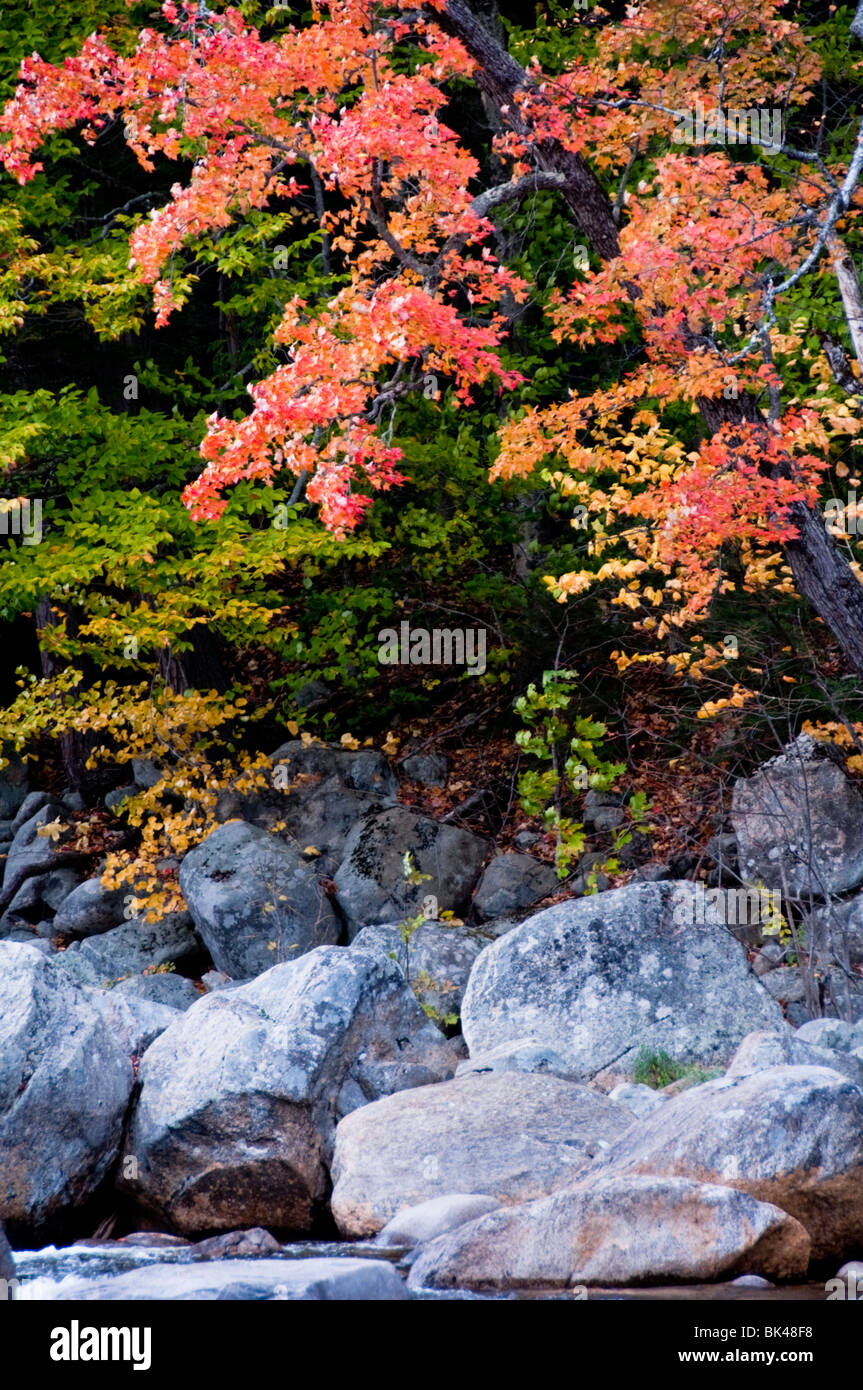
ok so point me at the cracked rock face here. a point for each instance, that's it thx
(64, 1088)
(618, 1230)
(597, 979)
(509, 1135)
(799, 822)
(240, 1096)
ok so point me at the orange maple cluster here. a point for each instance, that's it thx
(425, 287)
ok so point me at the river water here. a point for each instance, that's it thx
(89, 1271)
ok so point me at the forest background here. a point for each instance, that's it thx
(523, 362)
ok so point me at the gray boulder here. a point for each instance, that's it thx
(361, 769)
(788, 1135)
(146, 773)
(519, 1055)
(784, 983)
(64, 1088)
(318, 794)
(616, 1231)
(33, 802)
(137, 945)
(311, 695)
(839, 987)
(216, 979)
(116, 798)
(599, 978)
(603, 810)
(39, 898)
(799, 822)
(91, 909)
(499, 927)
(512, 882)
(235, 1245)
(30, 938)
(429, 769)
(241, 1095)
(762, 1050)
(436, 960)
(174, 991)
(32, 853)
(837, 931)
(641, 1100)
(254, 900)
(831, 1032)
(770, 957)
(371, 887)
(434, 1218)
(14, 784)
(323, 819)
(512, 1136)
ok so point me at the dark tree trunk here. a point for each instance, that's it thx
(499, 77)
(820, 571)
(824, 578)
(200, 668)
(75, 748)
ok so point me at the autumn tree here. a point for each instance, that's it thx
(699, 463)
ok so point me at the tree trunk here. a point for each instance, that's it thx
(823, 577)
(499, 77)
(200, 668)
(852, 297)
(75, 748)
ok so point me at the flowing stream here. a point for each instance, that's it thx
(110, 1270)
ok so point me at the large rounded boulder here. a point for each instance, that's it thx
(599, 978)
(65, 1082)
(254, 900)
(240, 1097)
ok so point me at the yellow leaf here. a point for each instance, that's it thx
(52, 830)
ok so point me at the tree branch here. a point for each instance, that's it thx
(501, 78)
